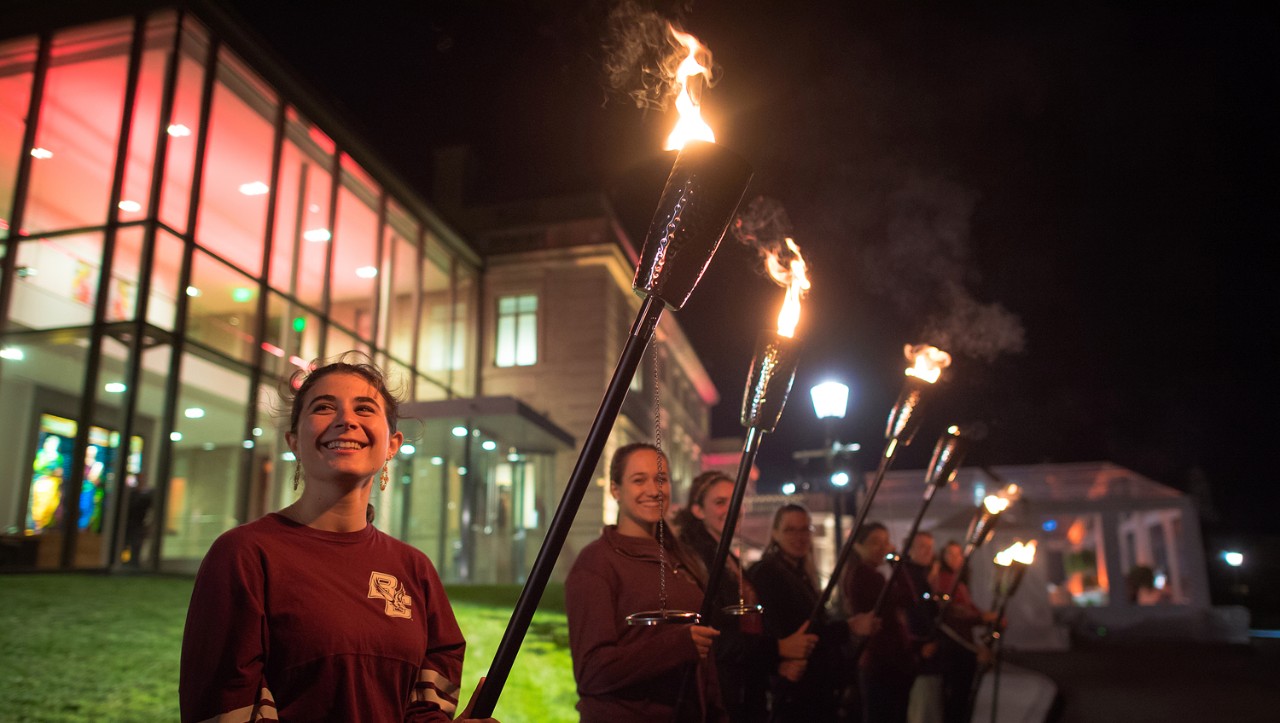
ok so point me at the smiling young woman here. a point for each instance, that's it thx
(629, 673)
(311, 613)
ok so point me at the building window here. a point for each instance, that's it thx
(517, 331)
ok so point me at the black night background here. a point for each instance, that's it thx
(1079, 196)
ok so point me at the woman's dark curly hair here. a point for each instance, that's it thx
(351, 362)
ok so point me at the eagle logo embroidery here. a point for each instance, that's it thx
(387, 587)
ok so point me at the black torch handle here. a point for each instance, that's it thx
(906, 550)
(749, 450)
(583, 472)
(846, 549)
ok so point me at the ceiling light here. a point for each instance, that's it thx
(317, 235)
(407, 449)
(488, 445)
(38, 152)
(193, 291)
(460, 431)
(114, 387)
(175, 436)
(193, 412)
(367, 272)
(254, 188)
(129, 206)
(177, 130)
(12, 353)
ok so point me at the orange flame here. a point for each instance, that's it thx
(995, 505)
(690, 126)
(795, 278)
(927, 361)
(1017, 552)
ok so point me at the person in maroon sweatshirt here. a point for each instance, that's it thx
(312, 613)
(636, 674)
(888, 664)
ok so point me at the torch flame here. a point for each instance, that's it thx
(995, 505)
(690, 126)
(1017, 552)
(927, 362)
(794, 276)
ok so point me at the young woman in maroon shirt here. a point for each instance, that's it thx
(311, 613)
(636, 674)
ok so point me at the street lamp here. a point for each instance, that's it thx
(830, 402)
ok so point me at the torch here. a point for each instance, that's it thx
(1011, 566)
(948, 453)
(773, 369)
(981, 527)
(699, 200)
(925, 370)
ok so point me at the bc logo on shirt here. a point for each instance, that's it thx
(387, 587)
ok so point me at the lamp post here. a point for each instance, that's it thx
(830, 402)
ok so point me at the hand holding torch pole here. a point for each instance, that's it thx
(700, 198)
(927, 365)
(948, 454)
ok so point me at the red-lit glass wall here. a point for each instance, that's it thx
(177, 239)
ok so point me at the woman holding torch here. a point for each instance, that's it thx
(956, 656)
(629, 673)
(786, 582)
(745, 655)
(311, 613)
(888, 664)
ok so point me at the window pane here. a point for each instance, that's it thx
(122, 296)
(165, 272)
(45, 381)
(237, 168)
(75, 150)
(527, 340)
(300, 244)
(506, 346)
(17, 58)
(400, 308)
(355, 257)
(180, 154)
(57, 282)
(222, 308)
(436, 334)
(205, 476)
(338, 341)
(146, 119)
(292, 339)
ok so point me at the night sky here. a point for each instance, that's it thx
(1077, 197)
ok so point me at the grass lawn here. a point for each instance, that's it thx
(106, 648)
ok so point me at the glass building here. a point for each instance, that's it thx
(181, 230)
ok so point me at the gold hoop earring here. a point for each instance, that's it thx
(297, 476)
(383, 486)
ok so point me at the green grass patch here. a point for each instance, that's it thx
(106, 648)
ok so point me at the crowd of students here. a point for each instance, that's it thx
(311, 613)
(908, 660)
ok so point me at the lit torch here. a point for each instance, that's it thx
(927, 363)
(1011, 566)
(948, 453)
(981, 528)
(699, 200)
(773, 369)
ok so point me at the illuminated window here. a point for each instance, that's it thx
(517, 331)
